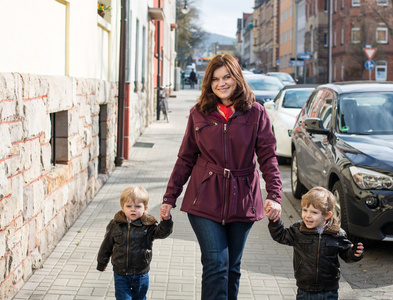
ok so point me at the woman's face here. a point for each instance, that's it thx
(222, 84)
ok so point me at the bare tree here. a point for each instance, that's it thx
(381, 13)
(189, 33)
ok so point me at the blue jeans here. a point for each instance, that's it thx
(222, 249)
(326, 295)
(133, 287)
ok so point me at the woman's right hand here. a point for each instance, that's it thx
(165, 211)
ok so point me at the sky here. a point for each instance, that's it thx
(220, 16)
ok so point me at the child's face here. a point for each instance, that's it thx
(134, 209)
(313, 217)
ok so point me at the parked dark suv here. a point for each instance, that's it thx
(343, 140)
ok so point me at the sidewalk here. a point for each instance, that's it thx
(70, 271)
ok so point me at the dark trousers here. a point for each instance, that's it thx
(222, 250)
(133, 287)
(326, 295)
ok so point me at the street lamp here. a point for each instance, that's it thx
(186, 9)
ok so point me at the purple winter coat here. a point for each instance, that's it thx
(220, 158)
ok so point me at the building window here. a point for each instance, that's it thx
(59, 137)
(342, 34)
(137, 43)
(355, 35)
(334, 37)
(355, 3)
(342, 4)
(325, 5)
(342, 71)
(382, 2)
(290, 34)
(325, 40)
(312, 39)
(104, 123)
(281, 17)
(291, 10)
(143, 58)
(382, 35)
(334, 72)
(335, 5)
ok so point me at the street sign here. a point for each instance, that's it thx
(370, 52)
(303, 56)
(294, 63)
(369, 65)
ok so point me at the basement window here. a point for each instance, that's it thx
(103, 121)
(59, 137)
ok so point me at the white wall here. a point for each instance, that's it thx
(37, 34)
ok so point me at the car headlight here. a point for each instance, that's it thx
(370, 180)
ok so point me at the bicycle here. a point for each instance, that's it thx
(164, 103)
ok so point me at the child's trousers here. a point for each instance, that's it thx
(133, 287)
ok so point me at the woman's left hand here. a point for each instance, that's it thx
(272, 210)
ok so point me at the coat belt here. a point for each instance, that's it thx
(227, 173)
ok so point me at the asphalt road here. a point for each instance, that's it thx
(372, 277)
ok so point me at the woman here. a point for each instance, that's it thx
(225, 130)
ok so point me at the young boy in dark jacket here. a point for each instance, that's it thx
(317, 242)
(128, 240)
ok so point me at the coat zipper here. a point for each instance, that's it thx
(319, 249)
(226, 179)
(128, 243)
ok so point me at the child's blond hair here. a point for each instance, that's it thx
(320, 198)
(132, 193)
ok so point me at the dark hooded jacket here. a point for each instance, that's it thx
(315, 256)
(130, 244)
(220, 156)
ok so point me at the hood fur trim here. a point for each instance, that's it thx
(146, 219)
(332, 227)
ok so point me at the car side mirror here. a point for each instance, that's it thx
(315, 125)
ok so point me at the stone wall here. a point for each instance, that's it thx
(58, 144)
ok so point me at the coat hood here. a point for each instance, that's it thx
(146, 219)
(331, 228)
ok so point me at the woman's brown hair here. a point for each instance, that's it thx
(242, 97)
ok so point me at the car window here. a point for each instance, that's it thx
(266, 84)
(366, 113)
(325, 109)
(282, 76)
(312, 105)
(296, 98)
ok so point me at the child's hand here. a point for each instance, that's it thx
(167, 217)
(272, 210)
(358, 249)
(165, 211)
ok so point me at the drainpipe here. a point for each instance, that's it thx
(122, 86)
(158, 63)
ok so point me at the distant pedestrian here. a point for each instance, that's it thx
(128, 240)
(193, 78)
(317, 242)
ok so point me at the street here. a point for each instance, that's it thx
(372, 277)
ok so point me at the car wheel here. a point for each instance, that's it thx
(340, 213)
(297, 187)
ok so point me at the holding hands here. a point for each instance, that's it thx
(272, 210)
(165, 211)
